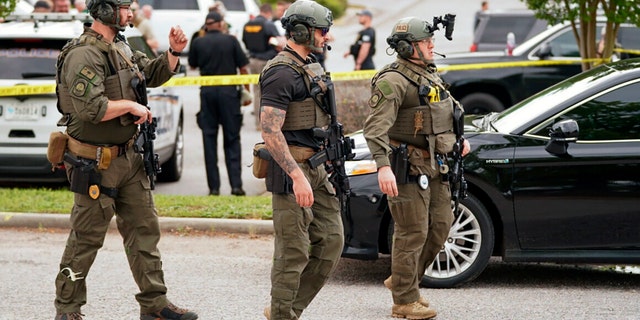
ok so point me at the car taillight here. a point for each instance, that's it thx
(474, 47)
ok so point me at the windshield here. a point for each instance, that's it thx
(518, 115)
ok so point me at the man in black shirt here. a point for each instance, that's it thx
(365, 46)
(263, 41)
(217, 53)
(306, 214)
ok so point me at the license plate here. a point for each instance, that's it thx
(23, 112)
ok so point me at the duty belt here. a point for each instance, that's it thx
(425, 153)
(102, 154)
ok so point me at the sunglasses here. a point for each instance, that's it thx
(324, 31)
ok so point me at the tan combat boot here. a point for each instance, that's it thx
(413, 310)
(422, 300)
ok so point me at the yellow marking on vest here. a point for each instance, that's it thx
(252, 29)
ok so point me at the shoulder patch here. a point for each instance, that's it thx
(375, 99)
(79, 88)
(385, 88)
(87, 73)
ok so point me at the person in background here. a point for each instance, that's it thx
(42, 6)
(403, 118)
(61, 6)
(218, 53)
(102, 114)
(262, 40)
(281, 7)
(141, 23)
(306, 213)
(80, 6)
(365, 46)
(484, 6)
(147, 11)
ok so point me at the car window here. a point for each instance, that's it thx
(612, 116)
(29, 59)
(497, 28)
(234, 5)
(172, 4)
(564, 45)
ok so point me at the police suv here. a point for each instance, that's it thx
(29, 47)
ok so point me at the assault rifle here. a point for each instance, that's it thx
(144, 141)
(337, 147)
(457, 181)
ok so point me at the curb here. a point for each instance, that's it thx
(61, 221)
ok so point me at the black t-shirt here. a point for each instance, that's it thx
(217, 53)
(367, 35)
(280, 85)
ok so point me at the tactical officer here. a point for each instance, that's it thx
(96, 94)
(306, 213)
(365, 46)
(412, 112)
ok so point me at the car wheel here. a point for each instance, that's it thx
(466, 251)
(172, 169)
(481, 103)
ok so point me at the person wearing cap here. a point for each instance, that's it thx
(218, 53)
(365, 46)
(101, 86)
(411, 120)
(42, 6)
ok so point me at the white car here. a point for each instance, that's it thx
(28, 53)
(190, 16)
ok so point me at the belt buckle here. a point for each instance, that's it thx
(423, 181)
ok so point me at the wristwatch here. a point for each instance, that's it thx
(174, 53)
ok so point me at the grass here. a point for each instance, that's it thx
(56, 201)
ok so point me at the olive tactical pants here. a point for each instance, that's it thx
(422, 222)
(137, 223)
(307, 246)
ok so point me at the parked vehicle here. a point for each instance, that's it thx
(493, 81)
(29, 47)
(494, 25)
(555, 178)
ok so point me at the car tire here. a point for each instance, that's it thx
(466, 251)
(481, 103)
(172, 169)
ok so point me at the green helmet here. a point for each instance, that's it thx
(106, 11)
(308, 13)
(410, 29)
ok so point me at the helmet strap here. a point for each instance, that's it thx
(312, 41)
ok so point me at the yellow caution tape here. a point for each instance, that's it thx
(228, 80)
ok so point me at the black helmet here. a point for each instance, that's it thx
(106, 11)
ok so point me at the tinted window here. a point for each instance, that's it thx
(497, 28)
(29, 59)
(565, 45)
(612, 116)
(172, 4)
(234, 5)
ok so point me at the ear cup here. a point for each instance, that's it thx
(300, 34)
(404, 49)
(106, 13)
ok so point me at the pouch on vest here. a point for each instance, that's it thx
(445, 142)
(261, 159)
(56, 148)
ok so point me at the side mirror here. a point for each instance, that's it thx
(561, 134)
(544, 51)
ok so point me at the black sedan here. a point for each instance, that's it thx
(555, 178)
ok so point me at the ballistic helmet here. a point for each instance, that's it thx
(106, 11)
(302, 18)
(411, 29)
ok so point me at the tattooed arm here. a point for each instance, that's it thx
(271, 120)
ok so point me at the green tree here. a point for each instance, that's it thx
(337, 7)
(582, 14)
(6, 7)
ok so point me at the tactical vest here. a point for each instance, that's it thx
(117, 84)
(305, 114)
(254, 37)
(417, 116)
